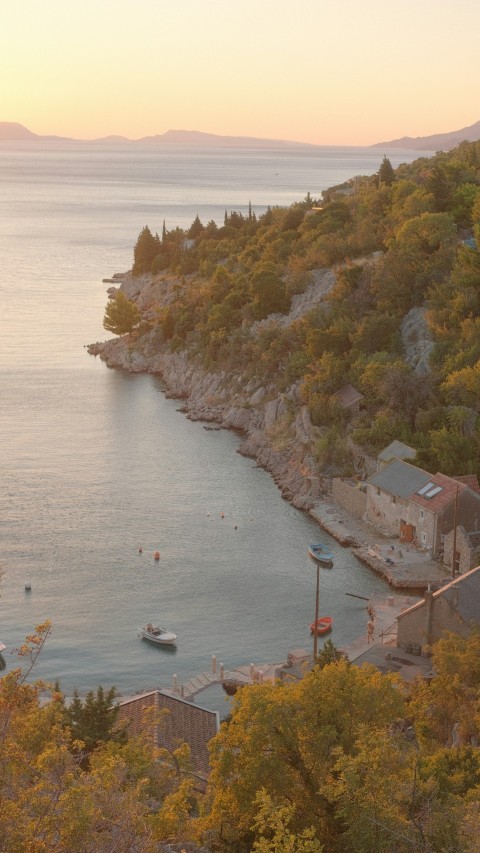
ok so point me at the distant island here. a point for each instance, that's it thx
(436, 142)
(14, 132)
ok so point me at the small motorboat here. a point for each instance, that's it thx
(157, 635)
(324, 624)
(321, 553)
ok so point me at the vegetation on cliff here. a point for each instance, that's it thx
(398, 241)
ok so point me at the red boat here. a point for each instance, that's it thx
(324, 624)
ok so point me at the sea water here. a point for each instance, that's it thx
(96, 464)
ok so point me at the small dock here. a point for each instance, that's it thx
(251, 674)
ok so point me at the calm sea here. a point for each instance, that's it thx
(96, 463)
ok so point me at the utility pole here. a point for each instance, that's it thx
(315, 626)
(454, 573)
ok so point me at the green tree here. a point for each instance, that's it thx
(121, 315)
(95, 720)
(449, 451)
(328, 654)
(196, 228)
(405, 391)
(146, 248)
(386, 172)
(269, 293)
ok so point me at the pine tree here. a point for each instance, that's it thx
(146, 248)
(196, 228)
(121, 315)
(93, 721)
(386, 173)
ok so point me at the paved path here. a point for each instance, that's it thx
(406, 569)
(386, 610)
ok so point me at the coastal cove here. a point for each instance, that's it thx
(98, 463)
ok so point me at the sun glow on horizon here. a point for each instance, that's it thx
(323, 73)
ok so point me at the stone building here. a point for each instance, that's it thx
(348, 398)
(467, 549)
(395, 450)
(419, 507)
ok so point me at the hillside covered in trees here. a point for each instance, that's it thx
(397, 256)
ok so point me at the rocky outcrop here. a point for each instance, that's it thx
(417, 340)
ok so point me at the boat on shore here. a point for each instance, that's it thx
(157, 635)
(324, 624)
(321, 553)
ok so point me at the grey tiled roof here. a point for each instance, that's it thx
(468, 590)
(400, 479)
(397, 450)
(348, 396)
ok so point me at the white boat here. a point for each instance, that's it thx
(2, 646)
(157, 635)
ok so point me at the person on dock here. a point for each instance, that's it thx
(370, 631)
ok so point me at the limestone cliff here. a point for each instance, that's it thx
(276, 428)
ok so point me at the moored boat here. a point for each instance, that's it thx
(320, 553)
(324, 624)
(157, 635)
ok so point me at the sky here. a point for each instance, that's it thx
(328, 72)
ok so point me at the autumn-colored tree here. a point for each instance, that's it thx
(283, 739)
(130, 798)
(272, 831)
(453, 696)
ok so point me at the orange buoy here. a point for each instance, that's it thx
(156, 555)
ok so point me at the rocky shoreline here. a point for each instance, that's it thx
(275, 427)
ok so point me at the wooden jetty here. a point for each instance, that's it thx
(242, 675)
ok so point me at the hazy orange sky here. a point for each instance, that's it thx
(339, 72)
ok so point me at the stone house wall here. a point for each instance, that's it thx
(425, 527)
(413, 624)
(384, 510)
(349, 496)
(467, 547)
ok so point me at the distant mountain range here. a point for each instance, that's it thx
(437, 142)
(14, 132)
